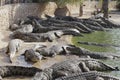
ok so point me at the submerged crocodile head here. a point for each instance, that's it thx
(46, 74)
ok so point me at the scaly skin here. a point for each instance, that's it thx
(79, 24)
(32, 56)
(69, 67)
(107, 23)
(42, 37)
(96, 55)
(74, 50)
(13, 47)
(38, 28)
(99, 55)
(89, 76)
(6, 71)
(110, 23)
(87, 22)
(54, 49)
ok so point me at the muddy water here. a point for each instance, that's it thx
(110, 37)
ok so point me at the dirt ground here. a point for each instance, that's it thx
(4, 59)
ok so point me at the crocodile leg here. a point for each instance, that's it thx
(18, 70)
(83, 67)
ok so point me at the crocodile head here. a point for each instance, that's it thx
(46, 74)
(73, 49)
(31, 55)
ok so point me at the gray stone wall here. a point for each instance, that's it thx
(11, 13)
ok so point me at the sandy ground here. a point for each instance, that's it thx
(4, 59)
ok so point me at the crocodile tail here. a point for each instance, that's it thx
(107, 67)
(117, 69)
(11, 56)
(56, 35)
(6, 71)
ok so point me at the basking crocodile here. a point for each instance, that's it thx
(96, 55)
(106, 22)
(55, 49)
(13, 47)
(74, 50)
(38, 28)
(41, 26)
(6, 71)
(110, 23)
(78, 24)
(87, 22)
(68, 67)
(42, 37)
(51, 35)
(31, 55)
(92, 75)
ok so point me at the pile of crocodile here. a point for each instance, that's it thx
(76, 69)
(35, 29)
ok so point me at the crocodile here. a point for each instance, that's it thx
(53, 50)
(68, 67)
(87, 22)
(13, 47)
(78, 24)
(108, 22)
(32, 56)
(92, 75)
(42, 37)
(51, 35)
(38, 28)
(42, 26)
(6, 71)
(98, 22)
(96, 55)
(65, 22)
(68, 49)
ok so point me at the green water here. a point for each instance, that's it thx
(110, 37)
